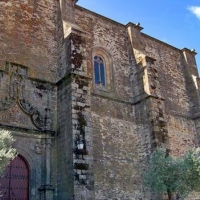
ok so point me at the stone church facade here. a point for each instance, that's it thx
(88, 98)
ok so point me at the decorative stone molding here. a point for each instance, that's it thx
(35, 115)
(17, 77)
(38, 147)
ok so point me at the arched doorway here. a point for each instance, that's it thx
(14, 185)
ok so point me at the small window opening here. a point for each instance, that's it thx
(99, 71)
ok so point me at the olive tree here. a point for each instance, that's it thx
(7, 152)
(173, 176)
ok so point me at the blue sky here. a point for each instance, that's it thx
(176, 22)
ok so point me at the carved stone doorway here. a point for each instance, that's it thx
(14, 185)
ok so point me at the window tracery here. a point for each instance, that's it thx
(102, 69)
(99, 71)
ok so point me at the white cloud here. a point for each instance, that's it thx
(195, 10)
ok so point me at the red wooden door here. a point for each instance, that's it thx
(14, 185)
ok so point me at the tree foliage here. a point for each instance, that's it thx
(166, 174)
(7, 153)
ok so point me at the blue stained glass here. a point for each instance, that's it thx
(102, 74)
(96, 72)
(99, 71)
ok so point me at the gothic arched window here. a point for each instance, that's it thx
(99, 71)
(102, 65)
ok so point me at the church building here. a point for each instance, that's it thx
(87, 100)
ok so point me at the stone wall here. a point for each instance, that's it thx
(28, 36)
(28, 109)
(64, 154)
(120, 148)
(155, 96)
(111, 36)
(50, 102)
(120, 145)
(182, 134)
(171, 71)
(74, 122)
(179, 92)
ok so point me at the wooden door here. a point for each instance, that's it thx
(14, 185)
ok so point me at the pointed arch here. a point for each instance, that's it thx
(102, 69)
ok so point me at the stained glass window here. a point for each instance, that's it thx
(99, 71)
